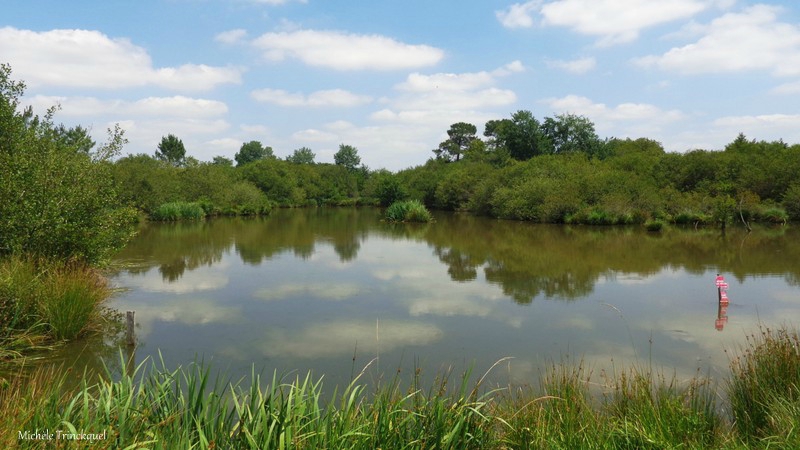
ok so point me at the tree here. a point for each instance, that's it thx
(55, 202)
(76, 137)
(569, 133)
(171, 150)
(252, 151)
(222, 161)
(347, 156)
(521, 136)
(302, 155)
(460, 136)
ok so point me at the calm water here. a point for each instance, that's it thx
(329, 290)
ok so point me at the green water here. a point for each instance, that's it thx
(335, 290)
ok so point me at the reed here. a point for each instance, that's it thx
(43, 301)
(765, 383)
(408, 211)
(152, 406)
(170, 212)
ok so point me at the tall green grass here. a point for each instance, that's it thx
(151, 406)
(765, 386)
(408, 211)
(169, 212)
(42, 300)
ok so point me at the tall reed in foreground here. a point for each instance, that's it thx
(764, 387)
(153, 407)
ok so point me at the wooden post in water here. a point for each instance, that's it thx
(130, 336)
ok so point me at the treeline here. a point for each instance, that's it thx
(563, 173)
(555, 171)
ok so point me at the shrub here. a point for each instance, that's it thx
(58, 199)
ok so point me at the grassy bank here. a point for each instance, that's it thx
(155, 407)
(43, 302)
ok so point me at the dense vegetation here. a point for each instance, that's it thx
(154, 407)
(60, 218)
(558, 171)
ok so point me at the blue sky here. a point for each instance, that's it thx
(390, 77)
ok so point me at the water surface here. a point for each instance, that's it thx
(329, 290)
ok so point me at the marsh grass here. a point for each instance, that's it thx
(408, 211)
(42, 301)
(765, 384)
(151, 406)
(170, 212)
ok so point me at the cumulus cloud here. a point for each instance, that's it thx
(231, 36)
(176, 106)
(753, 39)
(331, 97)
(623, 120)
(612, 21)
(576, 66)
(90, 59)
(346, 51)
(519, 15)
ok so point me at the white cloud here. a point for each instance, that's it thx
(623, 112)
(323, 98)
(343, 51)
(613, 21)
(617, 21)
(177, 106)
(576, 66)
(90, 59)
(753, 39)
(518, 15)
(231, 36)
(623, 120)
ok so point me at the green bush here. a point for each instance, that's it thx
(58, 200)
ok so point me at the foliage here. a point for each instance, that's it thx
(460, 137)
(44, 298)
(173, 211)
(171, 150)
(408, 211)
(55, 199)
(302, 155)
(765, 381)
(252, 151)
(347, 156)
(568, 133)
(156, 407)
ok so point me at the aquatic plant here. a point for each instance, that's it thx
(178, 211)
(408, 211)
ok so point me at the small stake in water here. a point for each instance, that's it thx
(722, 295)
(130, 337)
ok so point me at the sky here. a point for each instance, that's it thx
(390, 77)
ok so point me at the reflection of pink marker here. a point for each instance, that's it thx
(723, 298)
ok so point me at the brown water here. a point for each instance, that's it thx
(329, 290)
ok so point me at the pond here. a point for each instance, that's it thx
(335, 290)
